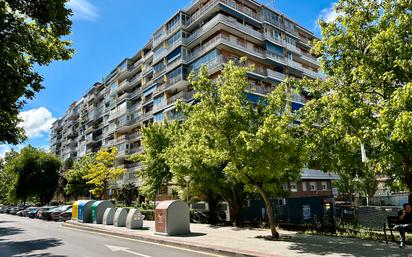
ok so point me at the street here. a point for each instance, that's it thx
(37, 238)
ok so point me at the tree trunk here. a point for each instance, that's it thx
(269, 209)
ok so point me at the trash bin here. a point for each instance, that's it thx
(172, 218)
(108, 216)
(98, 209)
(119, 219)
(85, 211)
(134, 219)
(75, 210)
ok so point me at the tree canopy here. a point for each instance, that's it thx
(102, 171)
(366, 54)
(31, 34)
(35, 174)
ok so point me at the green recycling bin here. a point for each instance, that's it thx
(98, 209)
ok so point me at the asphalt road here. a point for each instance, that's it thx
(36, 238)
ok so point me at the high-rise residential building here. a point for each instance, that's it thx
(144, 88)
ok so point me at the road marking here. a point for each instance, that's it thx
(145, 242)
(125, 249)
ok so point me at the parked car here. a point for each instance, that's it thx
(3, 209)
(32, 213)
(43, 212)
(55, 213)
(67, 215)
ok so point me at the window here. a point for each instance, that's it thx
(174, 55)
(313, 186)
(171, 25)
(324, 185)
(158, 67)
(204, 60)
(293, 187)
(304, 186)
(290, 56)
(173, 39)
(285, 186)
(158, 117)
(158, 52)
(274, 49)
(290, 40)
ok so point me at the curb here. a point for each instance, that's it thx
(168, 241)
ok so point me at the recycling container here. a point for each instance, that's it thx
(119, 219)
(108, 216)
(134, 219)
(85, 211)
(98, 209)
(75, 210)
(172, 218)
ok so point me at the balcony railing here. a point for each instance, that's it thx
(230, 3)
(184, 95)
(276, 75)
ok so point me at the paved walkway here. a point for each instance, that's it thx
(238, 241)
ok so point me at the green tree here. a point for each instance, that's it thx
(30, 34)
(128, 193)
(208, 180)
(36, 174)
(7, 178)
(155, 171)
(256, 144)
(366, 54)
(103, 171)
(76, 183)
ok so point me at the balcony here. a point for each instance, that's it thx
(310, 58)
(134, 135)
(135, 79)
(275, 75)
(230, 3)
(220, 18)
(147, 115)
(124, 84)
(295, 65)
(312, 74)
(293, 48)
(183, 95)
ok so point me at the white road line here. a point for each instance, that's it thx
(145, 242)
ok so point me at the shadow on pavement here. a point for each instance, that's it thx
(6, 221)
(323, 245)
(9, 231)
(10, 248)
(192, 234)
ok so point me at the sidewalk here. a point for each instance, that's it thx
(243, 242)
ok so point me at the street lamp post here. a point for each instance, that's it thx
(187, 179)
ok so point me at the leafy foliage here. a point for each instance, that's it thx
(36, 174)
(103, 171)
(31, 34)
(76, 183)
(256, 144)
(367, 54)
(127, 193)
(155, 172)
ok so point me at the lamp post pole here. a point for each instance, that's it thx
(187, 179)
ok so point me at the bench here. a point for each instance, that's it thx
(389, 225)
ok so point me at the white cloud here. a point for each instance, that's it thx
(3, 150)
(328, 14)
(83, 10)
(36, 122)
(7, 148)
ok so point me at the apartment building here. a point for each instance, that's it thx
(144, 88)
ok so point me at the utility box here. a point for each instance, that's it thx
(172, 218)
(85, 211)
(75, 210)
(120, 216)
(134, 219)
(108, 216)
(98, 209)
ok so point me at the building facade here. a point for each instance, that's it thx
(144, 88)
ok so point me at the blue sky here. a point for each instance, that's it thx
(104, 32)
